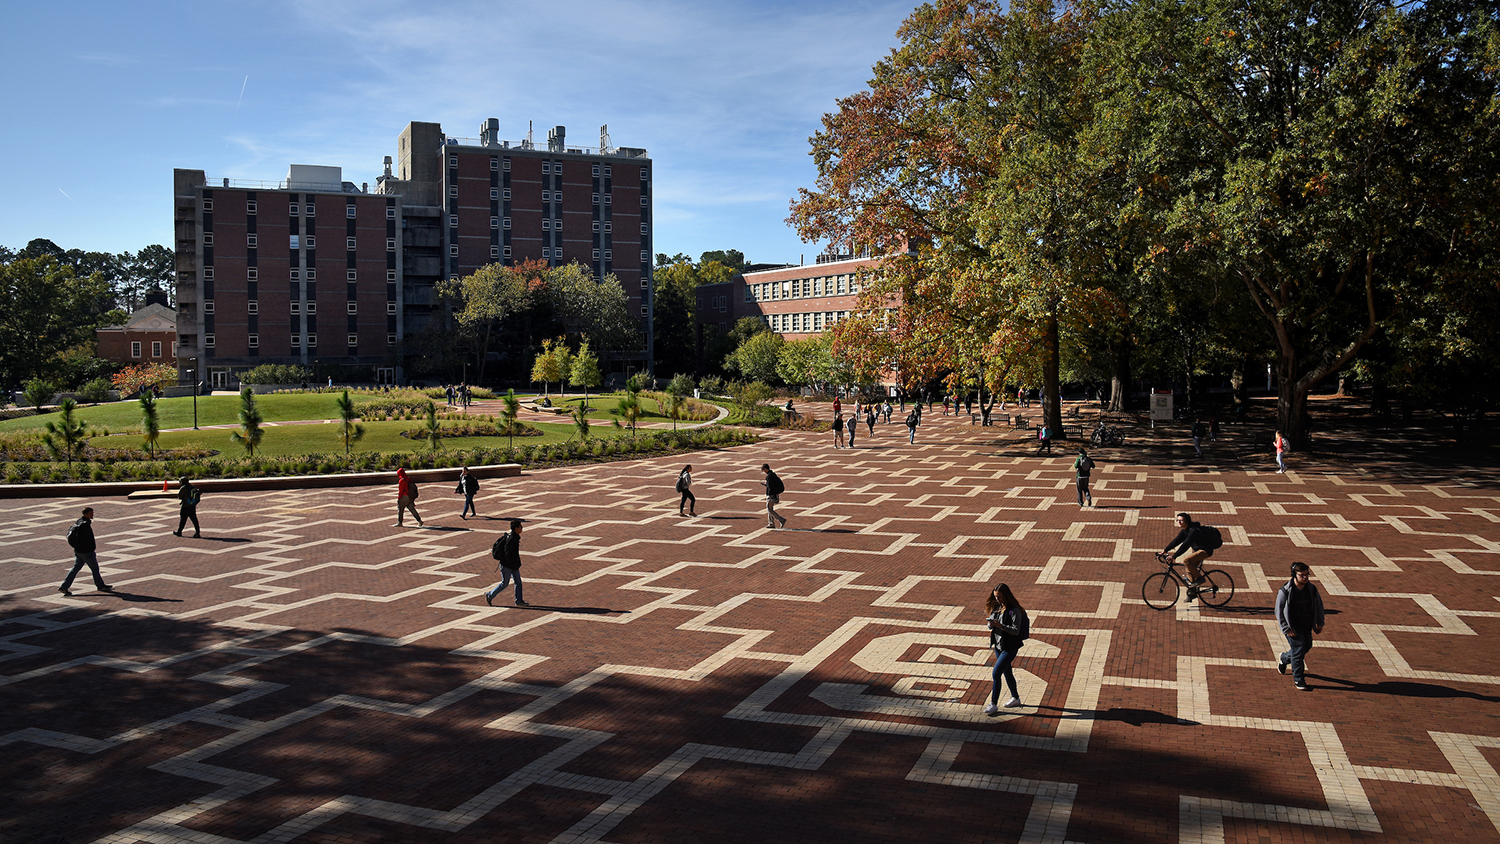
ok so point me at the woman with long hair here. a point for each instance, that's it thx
(1009, 627)
(685, 486)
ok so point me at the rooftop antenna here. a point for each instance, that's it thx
(604, 147)
(528, 134)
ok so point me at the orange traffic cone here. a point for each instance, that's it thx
(164, 487)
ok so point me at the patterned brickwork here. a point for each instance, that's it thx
(307, 673)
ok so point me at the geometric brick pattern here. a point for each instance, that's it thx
(310, 674)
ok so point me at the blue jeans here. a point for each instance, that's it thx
(1003, 660)
(1299, 646)
(469, 505)
(506, 575)
(81, 559)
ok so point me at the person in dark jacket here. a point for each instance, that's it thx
(81, 538)
(1299, 611)
(685, 487)
(509, 557)
(774, 489)
(467, 486)
(1009, 627)
(1190, 547)
(189, 496)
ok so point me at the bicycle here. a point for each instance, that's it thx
(1161, 590)
(1104, 435)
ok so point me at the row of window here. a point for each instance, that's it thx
(548, 167)
(253, 274)
(307, 210)
(803, 323)
(310, 241)
(253, 341)
(801, 288)
(135, 348)
(253, 307)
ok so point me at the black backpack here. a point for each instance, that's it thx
(1210, 538)
(774, 486)
(73, 535)
(498, 549)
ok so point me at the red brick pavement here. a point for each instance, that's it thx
(310, 674)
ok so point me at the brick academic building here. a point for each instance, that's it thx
(315, 269)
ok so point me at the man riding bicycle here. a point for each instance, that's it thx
(1193, 546)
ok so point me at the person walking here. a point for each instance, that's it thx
(685, 486)
(467, 486)
(1280, 442)
(838, 408)
(1009, 628)
(913, 419)
(1299, 611)
(774, 489)
(1043, 439)
(189, 495)
(1083, 466)
(852, 427)
(81, 539)
(507, 553)
(945, 404)
(1199, 432)
(870, 419)
(838, 430)
(886, 409)
(406, 499)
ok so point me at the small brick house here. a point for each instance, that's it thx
(148, 336)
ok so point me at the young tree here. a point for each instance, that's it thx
(250, 434)
(68, 435)
(510, 411)
(581, 422)
(350, 431)
(433, 430)
(585, 372)
(674, 404)
(629, 407)
(547, 367)
(38, 392)
(150, 422)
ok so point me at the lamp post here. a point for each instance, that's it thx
(191, 373)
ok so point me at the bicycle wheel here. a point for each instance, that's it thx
(1160, 591)
(1218, 589)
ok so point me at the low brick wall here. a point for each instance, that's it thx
(420, 476)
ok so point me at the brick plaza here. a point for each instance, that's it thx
(307, 673)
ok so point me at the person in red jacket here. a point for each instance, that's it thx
(406, 499)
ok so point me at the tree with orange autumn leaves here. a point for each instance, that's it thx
(973, 161)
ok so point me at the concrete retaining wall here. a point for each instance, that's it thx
(420, 476)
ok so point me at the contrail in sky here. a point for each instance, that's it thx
(65, 193)
(242, 96)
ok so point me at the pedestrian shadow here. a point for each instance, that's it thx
(578, 610)
(225, 539)
(1401, 688)
(1125, 715)
(445, 528)
(1240, 610)
(144, 599)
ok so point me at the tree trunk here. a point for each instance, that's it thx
(1241, 394)
(1051, 388)
(1119, 383)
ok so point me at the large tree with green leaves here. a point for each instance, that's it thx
(48, 308)
(488, 297)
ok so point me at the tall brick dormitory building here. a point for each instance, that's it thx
(314, 269)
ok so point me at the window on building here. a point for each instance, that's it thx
(296, 340)
(296, 274)
(174, 348)
(645, 256)
(645, 310)
(494, 251)
(312, 273)
(596, 199)
(596, 225)
(208, 341)
(349, 211)
(312, 307)
(390, 212)
(453, 190)
(840, 282)
(250, 207)
(253, 341)
(546, 167)
(494, 163)
(643, 229)
(608, 200)
(505, 165)
(596, 254)
(208, 273)
(293, 209)
(350, 243)
(296, 243)
(390, 276)
(607, 170)
(609, 227)
(353, 340)
(135, 348)
(208, 238)
(596, 169)
(645, 285)
(452, 161)
(505, 194)
(311, 242)
(390, 339)
(453, 250)
(351, 275)
(208, 306)
(208, 205)
(494, 222)
(494, 193)
(312, 340)
(390, 244)
(507, 251)
(296, 306)
(390, 307)
(311, 210)
(608, 257)
(252, 306)
(643, 202)
(546, 224)
(546, 252)
(252, 274)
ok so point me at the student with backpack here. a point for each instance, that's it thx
(81, 539)
(1083, 466)
(1009, 628)
(406, 499)
(189, 495)
(1195, 543)
(774, 489)
(507, 554)
(468, 485)
(685, 486)
(838, 430)
(913, 419)
(1044, 439)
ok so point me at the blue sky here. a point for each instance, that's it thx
(102, 100)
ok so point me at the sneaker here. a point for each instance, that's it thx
(1302, 687)
(197, 536)
(522, 604)
(488, 599)
(991, 709)
(398, 524)
(1013, 702)
(106, 588)
(1200, 580)
(177, 533)
(66, 593)
(783, 522)
(1281, 667)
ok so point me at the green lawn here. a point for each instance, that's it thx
(178, 413)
